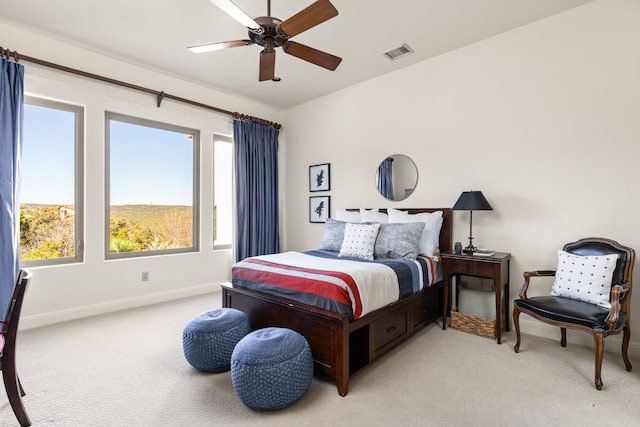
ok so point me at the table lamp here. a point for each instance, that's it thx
(471, 201)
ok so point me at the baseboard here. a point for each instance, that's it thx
(612, 343)
(28, 322)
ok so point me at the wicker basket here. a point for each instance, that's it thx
(473, 324)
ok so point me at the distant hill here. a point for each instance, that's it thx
(148, 214)
(142, 213)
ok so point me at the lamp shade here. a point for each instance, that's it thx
(472, 201)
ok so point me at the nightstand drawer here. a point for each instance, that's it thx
(389, 329)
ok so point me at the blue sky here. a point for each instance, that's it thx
(47, 156)
(148, 165)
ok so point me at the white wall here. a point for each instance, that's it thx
(94, 286)
(544, 120)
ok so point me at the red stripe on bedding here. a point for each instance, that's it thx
(346, 278)
(314, 286)
(432, 271)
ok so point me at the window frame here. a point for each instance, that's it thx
(78, 198)
(195, 220)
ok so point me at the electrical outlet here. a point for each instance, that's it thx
(145, 276)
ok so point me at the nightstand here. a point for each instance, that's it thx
(495, 267)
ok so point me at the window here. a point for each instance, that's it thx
(51, 191)
(152, 187)
(222, 192)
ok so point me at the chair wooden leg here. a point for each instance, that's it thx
(14, 388)
(626, 336)
(598, 339)
(22, 393)
(563, 338)
(516, 326)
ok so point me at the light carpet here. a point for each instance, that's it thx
(128, 369)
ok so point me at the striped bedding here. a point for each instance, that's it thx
(350, 286)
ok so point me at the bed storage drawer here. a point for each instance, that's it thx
(419, 313)
(426, 308)
(389, 329)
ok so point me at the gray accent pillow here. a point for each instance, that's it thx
(398, 240)
(333, 235)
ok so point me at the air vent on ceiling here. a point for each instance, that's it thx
(398, 52)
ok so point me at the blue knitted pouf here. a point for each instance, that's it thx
(209, 339)
(271, 368)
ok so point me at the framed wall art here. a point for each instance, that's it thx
(319, 179)
(318, 208)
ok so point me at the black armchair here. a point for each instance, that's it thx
(576, 306)
(8, 333)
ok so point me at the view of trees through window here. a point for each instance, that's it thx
(151, 186)
(45, 233)
(50, 223)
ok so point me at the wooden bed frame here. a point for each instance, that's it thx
(341, 347)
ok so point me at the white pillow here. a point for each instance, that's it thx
(585, 278)
(430, 239)
(359, 240)
(373, 215)
(348, 216)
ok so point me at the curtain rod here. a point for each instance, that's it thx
(160, 95)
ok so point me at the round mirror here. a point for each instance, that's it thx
(396, 177)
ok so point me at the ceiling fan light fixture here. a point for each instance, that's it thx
(236, 13)
(398, 52)
(205, 48)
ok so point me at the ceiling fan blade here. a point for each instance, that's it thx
(312, 15)
(236, 13)
(210, 47)
(267, 65)
(315, 56)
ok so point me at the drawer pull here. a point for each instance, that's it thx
(391, 329)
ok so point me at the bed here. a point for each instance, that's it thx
(344, 341)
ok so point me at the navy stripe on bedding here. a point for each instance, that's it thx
(302, 297)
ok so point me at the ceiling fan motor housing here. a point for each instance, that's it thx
(271, 36)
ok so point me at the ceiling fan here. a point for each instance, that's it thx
(270, 33)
